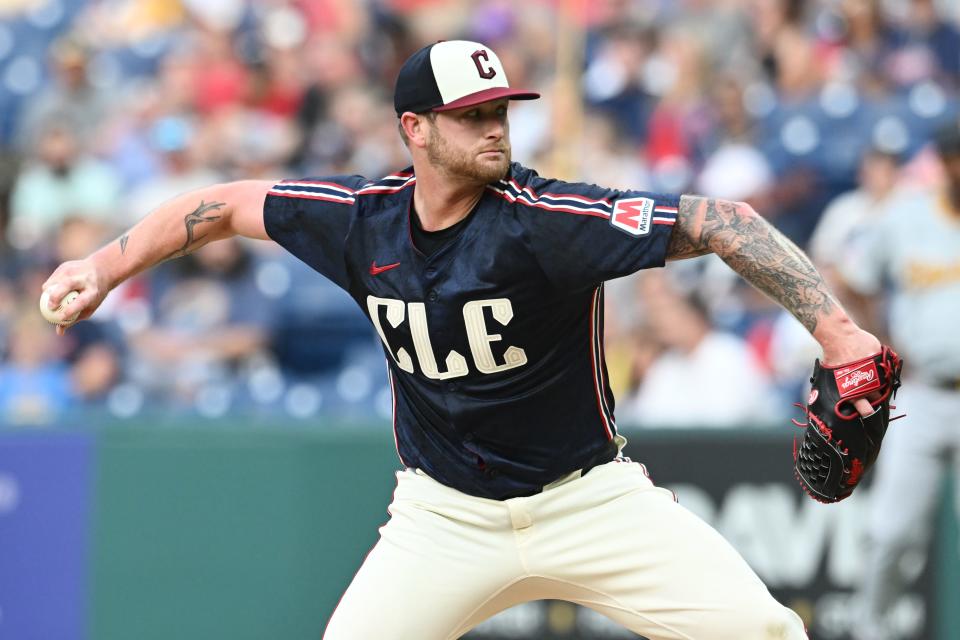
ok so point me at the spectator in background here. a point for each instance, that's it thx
(209, 317)
(360, 120)
(850, 211)
(645, 350)
(255, 137)
(613, 81)
(608, 157)
(925, 47)
(178, 146)
(703, 378)
(62, 181)
(679, 120)
(220, 79)
(155, 119)
(772, 22)
(35, 385)
(800, 68)
(70, 100)
(720, 26)
(333, 66)
(860, 44)
(731, 123)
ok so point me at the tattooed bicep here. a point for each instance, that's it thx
(687, 239)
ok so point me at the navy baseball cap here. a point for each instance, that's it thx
(452, 74)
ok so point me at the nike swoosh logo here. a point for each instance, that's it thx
(375, 270)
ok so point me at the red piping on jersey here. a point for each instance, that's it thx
(337, 199)
(593, 363)
(598, 338)
(530, 196)
(345, 199)
(509, 197)
(572, 196)
(318, 183)
(383, 189)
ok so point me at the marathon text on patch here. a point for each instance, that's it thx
(633, 215)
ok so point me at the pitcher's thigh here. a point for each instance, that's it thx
(680, 579)
(417, 585)
(389, 599)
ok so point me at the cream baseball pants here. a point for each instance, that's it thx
(609, 540)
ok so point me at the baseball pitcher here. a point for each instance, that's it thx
(484, 282)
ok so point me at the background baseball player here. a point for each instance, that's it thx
(485, 283)
(913, 252)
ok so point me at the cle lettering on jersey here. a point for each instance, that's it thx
(478, 336)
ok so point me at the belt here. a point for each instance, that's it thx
(608, 454)
(602, 458)
(573, 475)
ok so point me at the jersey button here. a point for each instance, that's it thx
(452, 386)
(433, 296)
(430, 272)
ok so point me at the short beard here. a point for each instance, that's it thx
(460, 164)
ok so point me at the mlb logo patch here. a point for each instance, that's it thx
(857, 379)
(633, 215)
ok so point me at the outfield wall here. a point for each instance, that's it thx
(251, 532)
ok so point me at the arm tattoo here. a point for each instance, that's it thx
(681, 245)
(756, 250)
(191, 220)
(123, 243)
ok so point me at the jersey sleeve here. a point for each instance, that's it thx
(583, 234)
(311, 218)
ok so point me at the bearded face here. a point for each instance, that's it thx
(485, 162)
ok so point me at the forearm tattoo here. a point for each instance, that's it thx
(123, 243)
(752, 247)
(190, 221)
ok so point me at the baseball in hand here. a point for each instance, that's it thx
(55, 315)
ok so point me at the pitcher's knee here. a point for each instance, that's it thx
(753, 620)
(773, 622)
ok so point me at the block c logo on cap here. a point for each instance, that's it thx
(487, 73)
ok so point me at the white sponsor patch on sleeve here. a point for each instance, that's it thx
(633, 215)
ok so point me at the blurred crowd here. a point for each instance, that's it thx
(813, 111)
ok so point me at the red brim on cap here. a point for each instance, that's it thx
(487, 95)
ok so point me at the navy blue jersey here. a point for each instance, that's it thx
(495, 341)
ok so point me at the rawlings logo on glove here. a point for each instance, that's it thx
(839, 445)
(857, 379)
